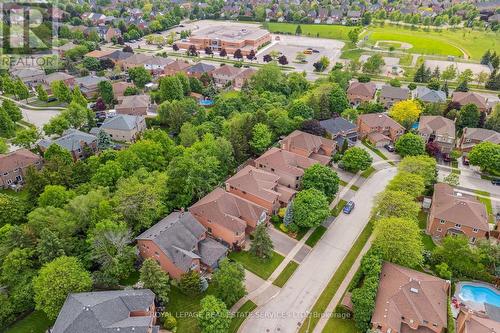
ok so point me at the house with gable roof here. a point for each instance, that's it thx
(359, 92)
(310, 146)
(464, 98)
(438, 129)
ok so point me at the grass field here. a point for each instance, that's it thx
(180, 305)
(443, 42)
(340, 326)
(286, 274)
(240, 316)
(259, 267)
(368, 172)
(35, 322)
(312, 30)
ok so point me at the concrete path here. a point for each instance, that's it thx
(286, 311)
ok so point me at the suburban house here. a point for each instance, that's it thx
(427, 95)
(89, 85)
(260, 187)
(410, 301)
(175, 67)
(464, 98)
(473, 136)
(198, 70)
(309, 145)
(154, 64)
(454, 213)
(118, 57)
(13, 166)
(287, 165)
(112, 33)
(225, 75)
(390, 95)
(340, 130)
(179, 244)
(359, 92)
(135, 105)
(242, 77)
(119, 89)
(30, 76)
(108, 311)
(68, 80)
(228, 217)
(122, 127)
(471, 322)
(100, 54)
(438, 129)
(79, 144)
(378, 128)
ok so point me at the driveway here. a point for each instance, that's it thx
(38, 117)
(282, 243)
(286, 311)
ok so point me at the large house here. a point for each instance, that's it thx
(340, 130)
(243, 77)
(378, 128)
(89, 85)
(287, 165)
(13, 166)
(309, 145)
(390, 95)
(29, 76)
(454, 213)
(359, 92)
(108, 311)
(225, 75)
(410, 301)
(427, 95)
(151, 63)
(199, 69)
(438, 129)
(228, 217)
(122, 127)
(464, 98)
(179, 244)
(135, 105)
(471, 322)
(260, 187)
(119, 89)
(78, 143)
(175, 67)
(68, 79)
(473, 136)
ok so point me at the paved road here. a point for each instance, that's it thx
(285, 312)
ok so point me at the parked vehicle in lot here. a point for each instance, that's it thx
(308, 51)
(348, 207)
(495, 181)
(390, 147)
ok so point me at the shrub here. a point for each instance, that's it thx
(169, 321)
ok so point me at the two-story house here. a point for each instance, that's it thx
(378, 128)
(464, 98)
(225, 75)
(473, 136)
(390, 95)
(359, 92)
(80, 144)
(309, 145)
(14, 164)
(438, 129)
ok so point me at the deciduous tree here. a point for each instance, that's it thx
(321, 178)
(229, 282)
(410, 144)
(213, 317)
(310, 208)
(356, 159)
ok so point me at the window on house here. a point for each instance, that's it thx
(473, 240)
(209, 230)
(5, 174)
(272, 169)
(442, 221)
(439, 229)
(475, 230)
(458, 226)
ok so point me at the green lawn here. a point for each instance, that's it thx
(422, 219)
(255, 265)
(21, 194)
(184, 308)
(334, 283)
(338, 208)
(342, 183)
(354, 187)
(368, 172)
(316, 235)
(132, 279)
(487, 203)
(35, 322)
(286, 274)
(442, 42)
(312, 30)
(240, 316)
(429, 244)
(351, 54)
(338, 325)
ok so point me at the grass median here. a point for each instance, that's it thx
(285, 275)
(241, 315)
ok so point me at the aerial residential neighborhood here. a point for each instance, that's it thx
(250, 166)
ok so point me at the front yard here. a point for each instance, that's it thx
(261, 268)
(487, 203)
(35, 322)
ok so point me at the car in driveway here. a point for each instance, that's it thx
(390, 147)
(348, 207)
(495, 181)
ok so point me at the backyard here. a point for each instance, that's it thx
(35, 322)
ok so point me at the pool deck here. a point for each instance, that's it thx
(475, 306)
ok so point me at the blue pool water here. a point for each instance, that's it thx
(206, 102)
(479, 294)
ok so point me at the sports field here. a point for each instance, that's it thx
(443, 42)
(312, 30)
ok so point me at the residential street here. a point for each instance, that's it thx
(285, 312)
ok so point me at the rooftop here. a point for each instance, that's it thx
(231, 32)
(17, 159)
(437, 125)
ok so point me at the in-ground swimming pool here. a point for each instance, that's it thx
(206, 102)
(479, 294)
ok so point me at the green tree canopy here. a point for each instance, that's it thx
(155, 278)
(395, 204)
(261, 138)
(410, 144)
(356, 159)
(262, 245)
(213, 317)
(310, 208)
(229, 282)
(410, 183)
(422, 165)
(486, 155)
(321, 178)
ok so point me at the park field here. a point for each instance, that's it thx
(312, 30)
(438, 42)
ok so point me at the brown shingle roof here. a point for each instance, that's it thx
(362, 89)
(227, 71)
(482, 134)
(134, 101)
(21, 158)
(120, 87)
(410, 298)
(99, 53)
(256, 182)
(394, 92)
(312, 143)
(464, 98)
(227, 209)
(285, 161)
(177, 65)
(476, 324)
(379, 120)
(436, 125)
(458, 208)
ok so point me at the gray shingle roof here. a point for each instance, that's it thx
(394, 92)
(122, 122)
(211, 251)
(105, 312)
(71, 140)
(90, 80)
(201, 68)
(337, 125)
(428, 95)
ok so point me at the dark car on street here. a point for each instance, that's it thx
(495, 181)
(348, 207)
(390, 147)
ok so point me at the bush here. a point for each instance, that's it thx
(169, 321)
(284, 228)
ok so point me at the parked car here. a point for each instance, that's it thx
(315, 51)
(348, 207)
(447, 158)
(390, 147)
(465, 160)
(495, 181)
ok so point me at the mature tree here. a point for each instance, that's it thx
(41, 93)
(12, 110)
(7, 126)
(192, 51)
(108, 174)
(26, 138)
(154, 277)
(312, 127)
(55, 196)
(449, 73)
(21, 90)
(78, 116)
(373, 64)
(229, 282)
(58, 153)
(395, 204)
(223, 53)
(310, 208)
(106, 92)
(468, 116)
(353, 35)
(356, 159)
(142, 154)
(412, 184)
(299, 108)
(493, 121)
(321, 178)
(338, 100)
(170, 88)
(188, 134)
(56, 280)
(399, 241)
(237, 54)
(261, 138)
(486, 155)
(12, 210)
(91, 64)
(104, 141)
(282, 60)
(262, 245)
(61, 91)
(298, 30)
(410, 144)
(213, 317)
(140, 76)
(190, 283)
(405, 112)
(4, 148)
(422, 165)
(49, 246)
(452, 179)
